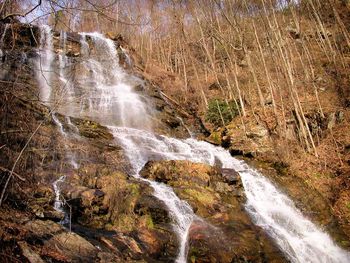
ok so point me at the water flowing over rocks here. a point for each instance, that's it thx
(225, 232)
(131, 189)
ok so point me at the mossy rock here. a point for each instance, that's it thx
(91, 129)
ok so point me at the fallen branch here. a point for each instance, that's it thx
(15, 174)
(23, 14)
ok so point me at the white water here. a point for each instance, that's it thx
(139, 148)
(128, 60)
(105, 93)
(300, 239)
(63, 60)
(106, 90)
(44, 63)
(111, 96)
(58, 205)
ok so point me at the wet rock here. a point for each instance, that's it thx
(169, 171)
(172, 122)
(150, 205)
(117, 203)
(217, 196)
(56, 243)
(161, 244)
(53, 215)
(44, 192)
(41, 204)
(231, 176)
(208, 244)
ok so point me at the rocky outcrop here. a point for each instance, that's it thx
(249, 140)
(110, 201)
(224, 232)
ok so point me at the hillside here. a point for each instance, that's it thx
(180, 131)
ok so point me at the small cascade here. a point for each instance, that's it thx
(180, 211)
(58, 205)
(135, 148)
(58, 124)
(128, 60)
(62, 58)
(191, 134)
(298, 237)
(44, 63)
(72, 126)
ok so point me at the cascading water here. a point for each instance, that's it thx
(111, 93)
(58, 204)
(128, 60)
(44, 63)
(138, 146)
(105, 91)
(106, 95)
(300, 239)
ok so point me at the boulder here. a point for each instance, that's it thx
(251, 140)
(72, 246)
(29, 254)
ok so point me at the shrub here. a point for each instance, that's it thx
(228, 110)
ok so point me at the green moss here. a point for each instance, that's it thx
(281, 168)
(348, 205)
(345, 243)
(203, 197)
(149, 222)
(134, 189)
(125, 222)
(220, 110)
(215, 137)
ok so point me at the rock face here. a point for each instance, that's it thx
(225, 232)
(110, 201)
(249, 140)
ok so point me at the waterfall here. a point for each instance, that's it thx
(128, 60)
(105, 93)
(300, 239)
(58, 204)
(62, 58)
(111, 93)
(137, 144)
(44, 63)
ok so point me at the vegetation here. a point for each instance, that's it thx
(221, 112)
